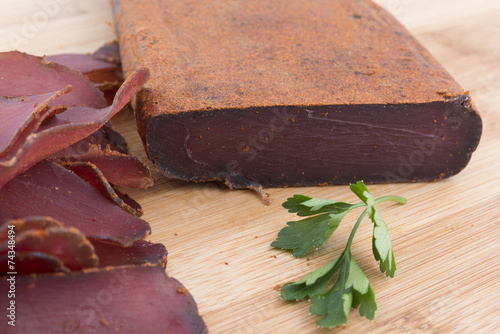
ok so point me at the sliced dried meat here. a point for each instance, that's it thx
(107, 136)
(48, 189)
(24, 74)
(26, 263)
(109, 91)
(120, 169)
(61, 130)
(21, 116)
(107, 74)
(141, 252)
(90, 173)
(67, 244)
(27, 223)
(106, 149)
(83, 63)
(43, 239)
(129, 299)
(109, 52)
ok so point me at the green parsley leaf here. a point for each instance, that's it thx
(336, 303)
(308, 206)
(363, 295)
(381, 246)
(312, 284)
(302, 235)
(351, 288)
(381, 242)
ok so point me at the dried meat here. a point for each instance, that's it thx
(106, 74)
(261, 94)
(140, 252)
(22, 116)
(24, 74)
(48, 189)
(27, 223)
(128, 299)
(69, 245)
(31, 263)
(61, 130)
(109, 52)
(119, 168)
(93, 175)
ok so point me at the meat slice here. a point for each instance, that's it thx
(109, 52)
(119, 168)
(61, 130)
(127, 299)
(104, 137)
(86, 64)
(24, 74)
(67, 244)
(45, 242)
(48, 189)
(107, 150)
(140, 252)
(261, 94)
(92, 175)
(25, 224)
(26, 263)
(103, 67)
(21, 116)
(106, 74)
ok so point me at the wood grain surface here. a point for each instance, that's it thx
(446, 239)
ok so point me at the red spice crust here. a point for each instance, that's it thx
(181, 290)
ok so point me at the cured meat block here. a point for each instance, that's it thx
(292, 93)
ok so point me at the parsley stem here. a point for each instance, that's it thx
(358, 205)
(398, 199)
(351, 236)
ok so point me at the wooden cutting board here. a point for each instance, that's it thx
(446, 239)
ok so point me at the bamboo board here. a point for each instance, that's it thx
(445, 239)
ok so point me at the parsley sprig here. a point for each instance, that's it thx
(351, 287)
